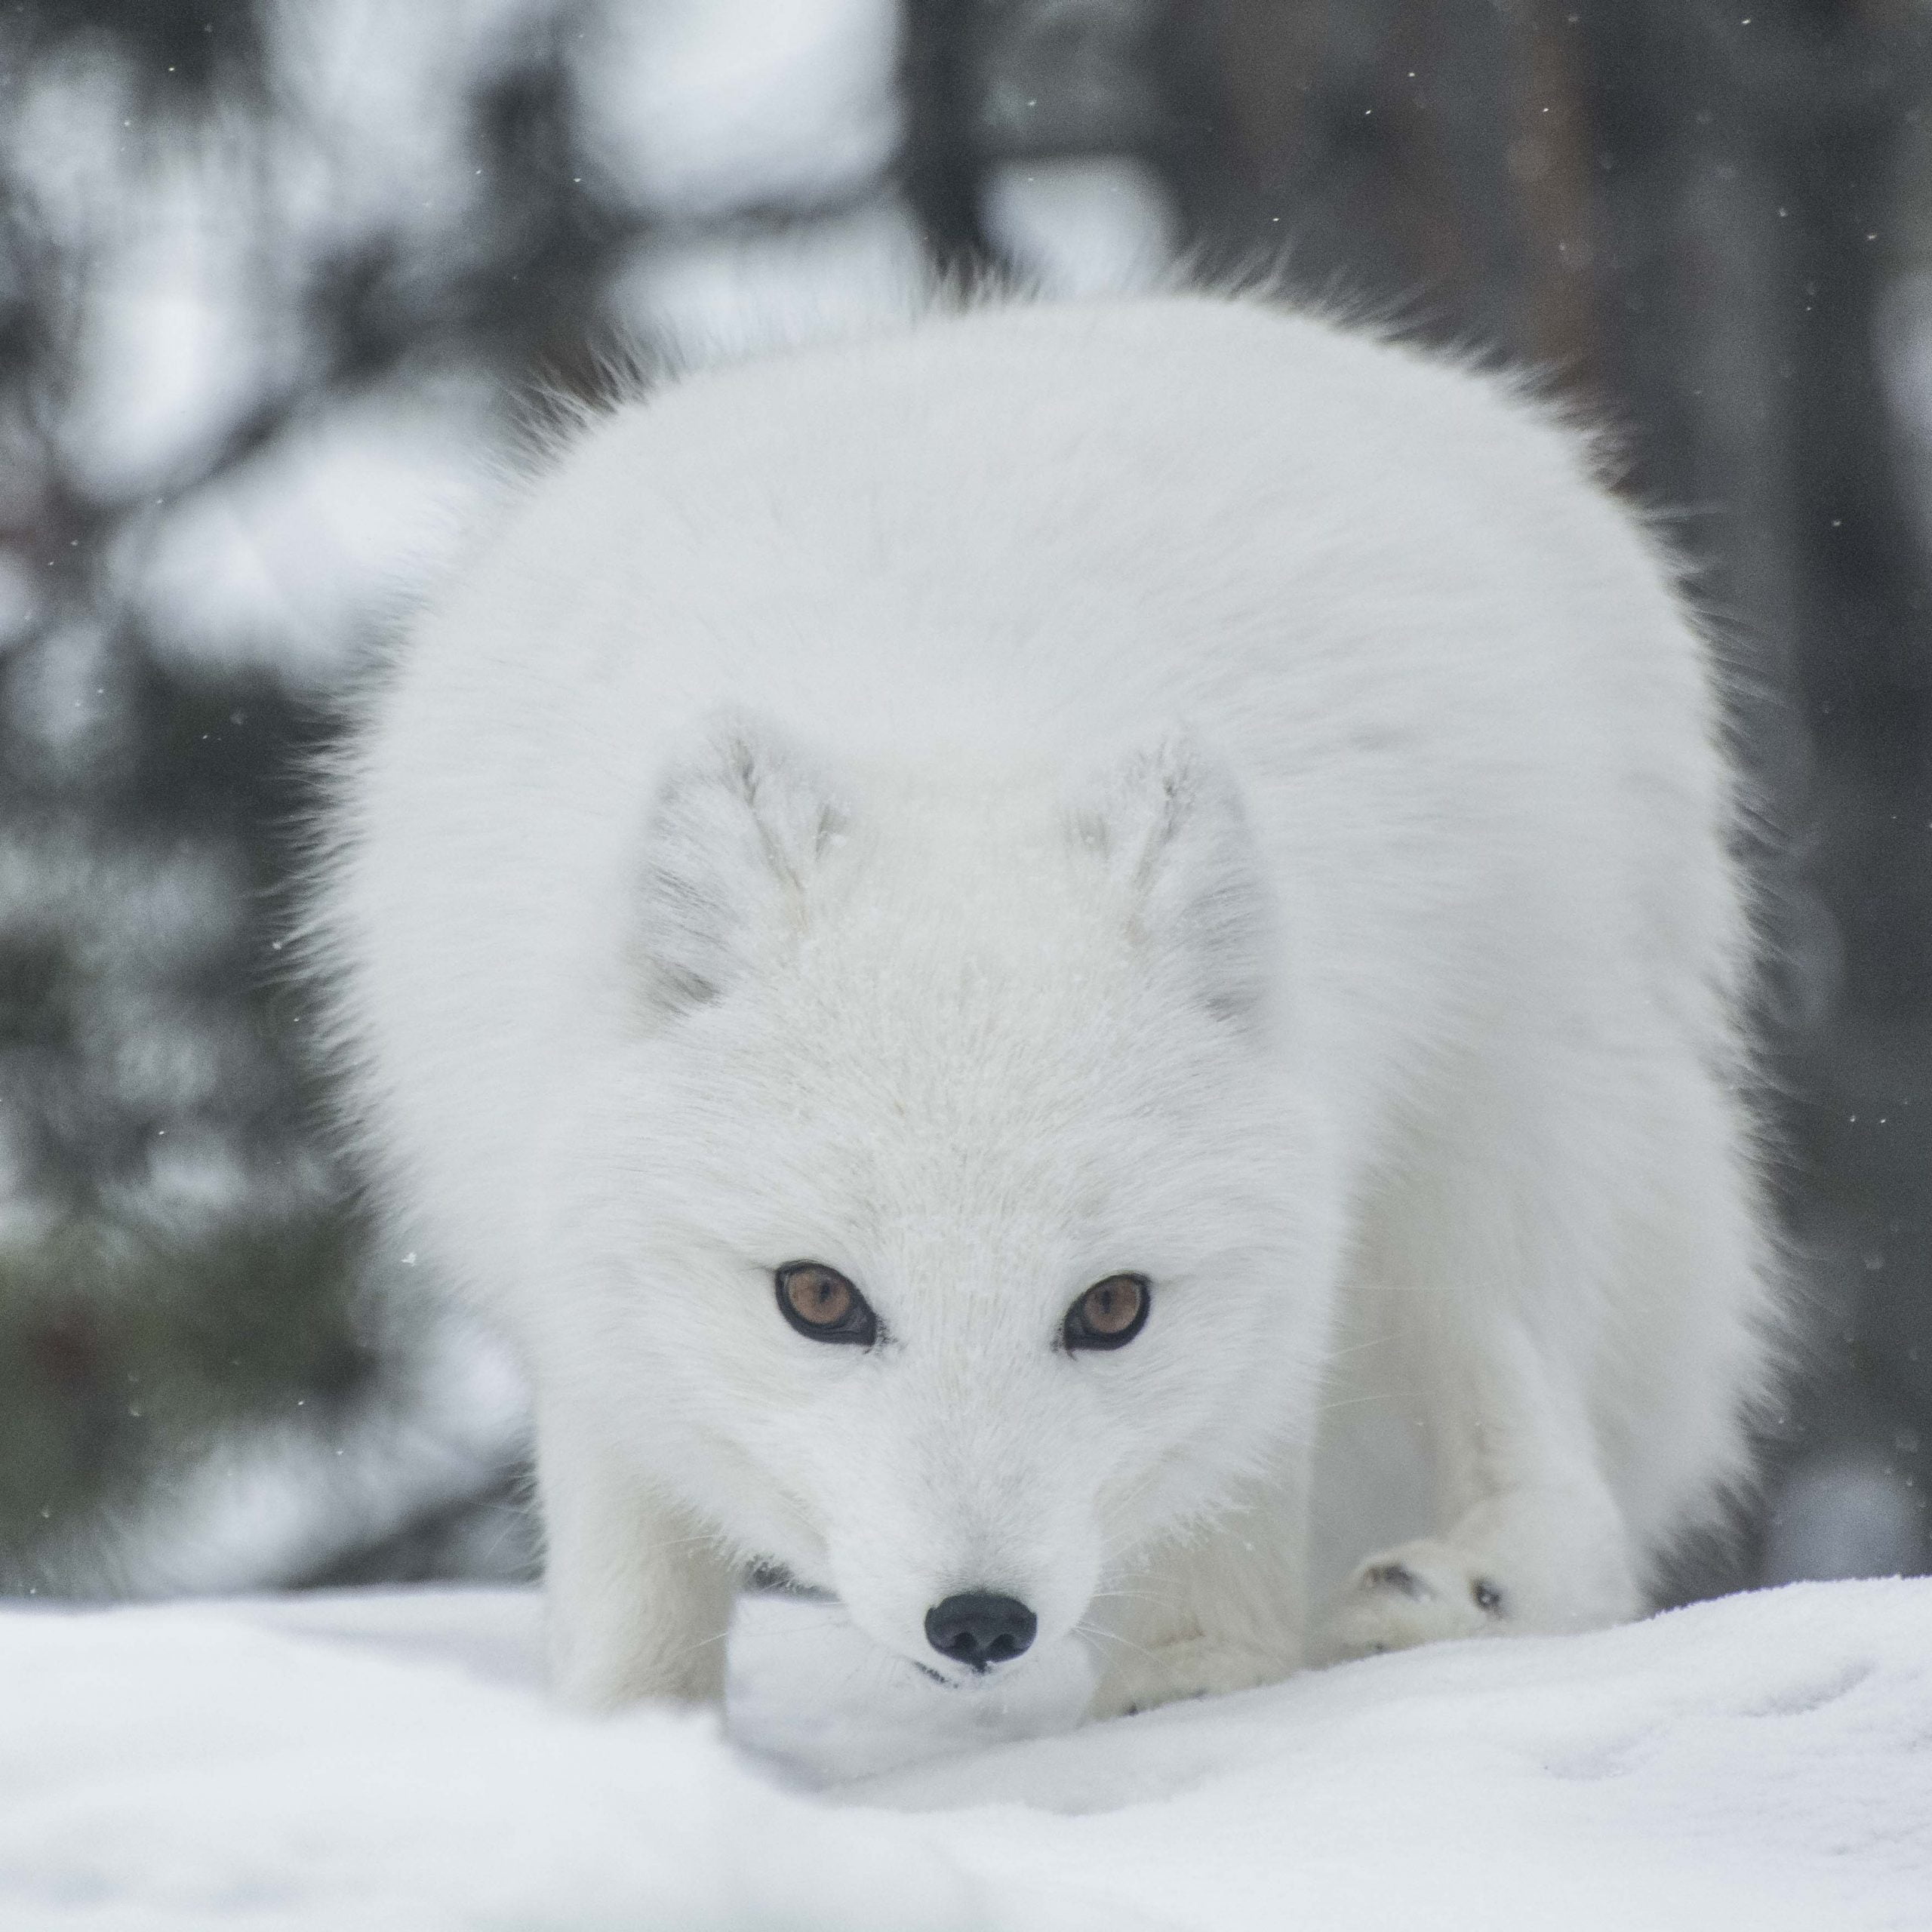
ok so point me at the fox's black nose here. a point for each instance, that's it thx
(976, 1629)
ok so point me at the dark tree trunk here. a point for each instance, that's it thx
(942, 160)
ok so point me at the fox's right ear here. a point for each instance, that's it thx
(740, 822)
(1168, 824)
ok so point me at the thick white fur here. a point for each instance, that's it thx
(1169, 786)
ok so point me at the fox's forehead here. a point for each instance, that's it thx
(968, 1002)
(962, 1101)
(976, 854)
(921, 1127)
(946, 1043)
(954, 948)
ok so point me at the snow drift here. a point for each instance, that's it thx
(384, 1760)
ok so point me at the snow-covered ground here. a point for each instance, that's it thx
(385, 1760)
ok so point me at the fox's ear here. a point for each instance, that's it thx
(1168, 824)
(741, 822)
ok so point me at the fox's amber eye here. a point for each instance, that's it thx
(1110, 1314)
(818, 1301)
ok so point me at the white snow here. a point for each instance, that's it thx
(174, 343)
(725, 294)
(384, 1760)
(1086, 225)
(293, 553)
(701, 107)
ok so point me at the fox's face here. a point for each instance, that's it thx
(958, 1261)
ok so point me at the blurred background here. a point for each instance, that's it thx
(285, 285)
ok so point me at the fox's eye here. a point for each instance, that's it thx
(820, 1302)
(1110, 1314)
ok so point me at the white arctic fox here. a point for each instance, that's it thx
(937, 918)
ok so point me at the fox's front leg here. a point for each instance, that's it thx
(638, 1598)
(1224, 1609)
(1530, 1539)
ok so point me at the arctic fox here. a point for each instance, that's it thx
(939, 918)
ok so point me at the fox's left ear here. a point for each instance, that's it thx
(1168, 824)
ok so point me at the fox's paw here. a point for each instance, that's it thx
(1166, 1673)
(1418, 1593)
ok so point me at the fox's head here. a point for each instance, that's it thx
(941, 1203)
